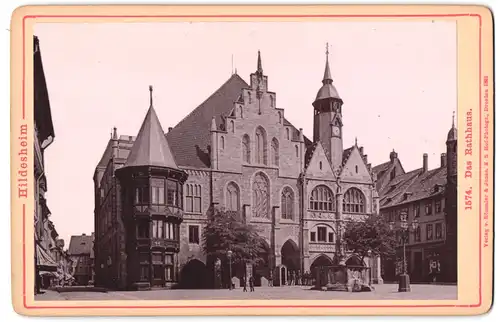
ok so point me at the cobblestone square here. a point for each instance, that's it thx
(382, 292)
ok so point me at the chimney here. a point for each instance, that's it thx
(426, 163)
(443, 160)
(170, 129)
(393, 156)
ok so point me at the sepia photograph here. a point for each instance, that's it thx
(245, 160)
(251, 160)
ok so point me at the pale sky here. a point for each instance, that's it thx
(397, 81)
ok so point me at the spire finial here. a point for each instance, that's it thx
(151, 95)
(327, 77)
(115, 135)
(453, 120)
(259, 63)
(356, 141)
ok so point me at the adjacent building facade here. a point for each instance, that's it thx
(81, 253)
(235, 151)
(45, 264)
(430, 197)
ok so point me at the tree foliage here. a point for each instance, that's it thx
(225, 231)
(372, 234)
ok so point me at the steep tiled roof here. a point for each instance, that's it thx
(151, 146)
(382, 167)
(413, 185)
(80, 245)
(345, 154)
(189, 140)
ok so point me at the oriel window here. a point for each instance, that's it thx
(143, 229)
(141, 195)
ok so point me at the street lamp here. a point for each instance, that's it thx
(404, 228)
(229, 254)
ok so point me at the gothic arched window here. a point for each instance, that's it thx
(260, 189)
(246, 148)
(287, 203)
(275, 152)
(322, 199)
(260, 146)
(354, 201)
(232, 197)
(232, 126)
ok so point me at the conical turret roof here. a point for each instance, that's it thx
(151, 147)
(327, 90)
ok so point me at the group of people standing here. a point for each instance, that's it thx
(294, 278)
(297, 278)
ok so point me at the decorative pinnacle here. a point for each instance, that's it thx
(115, 135)
(150, 95)
(259, 63)
(327, 77)
(453, 120)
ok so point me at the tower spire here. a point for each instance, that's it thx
(150, 96)
(259, 64)
(453, 120)
(327, 77)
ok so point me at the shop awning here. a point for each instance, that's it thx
(44, 261)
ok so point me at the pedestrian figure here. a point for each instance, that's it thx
(251, 281)
(293, 278)
(245, 284)
(270, 282)
(299, 278)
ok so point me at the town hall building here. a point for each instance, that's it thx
(235, 151)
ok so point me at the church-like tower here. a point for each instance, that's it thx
(328, 118)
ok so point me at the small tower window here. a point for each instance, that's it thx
(241, 111)
(297, 151)
(249, 97)
(356, 168)
(232, 126)
(287, 133)
(222, 143)
(320, 165)
(272, 101)
(280, 118)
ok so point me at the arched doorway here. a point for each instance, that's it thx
(290, 256)
(318, 265)
(261, 269)
(194, 275)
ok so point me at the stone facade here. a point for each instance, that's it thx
(249, 158)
